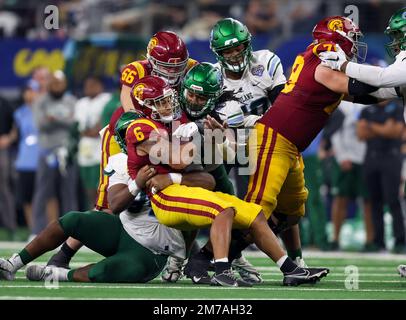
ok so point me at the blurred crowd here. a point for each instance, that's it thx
(194, 19)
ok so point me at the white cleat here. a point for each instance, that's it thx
(6, 270)
(173, 270)
(402, 270)
(246, 270)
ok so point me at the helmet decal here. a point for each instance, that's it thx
(138, 90)
(152, 44)
(335, 24)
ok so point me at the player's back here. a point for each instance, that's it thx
(304, 105)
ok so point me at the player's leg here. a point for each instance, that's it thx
(199, 208)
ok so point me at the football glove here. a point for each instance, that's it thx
(333, 59)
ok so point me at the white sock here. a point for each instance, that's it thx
(16, 261)
(281, 261)
(221, 260)
(60, 273)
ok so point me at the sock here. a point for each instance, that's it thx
(61, 273)
(68, 251)
(204, 254)
(70, 275)
(25, 256)
(220, 265)
(286, 264)
(16, 261)
(293, 254)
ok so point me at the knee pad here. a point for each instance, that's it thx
(280, 222)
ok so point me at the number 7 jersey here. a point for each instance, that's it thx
(303, 107)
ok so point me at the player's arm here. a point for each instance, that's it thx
(192, 179)
(122, 191)
(125, 98)
(340, 83)
(391, 76)
(130, 74)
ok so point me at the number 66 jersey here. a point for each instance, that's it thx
(303, 107)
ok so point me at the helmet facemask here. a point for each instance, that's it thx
(165, 108)
(398, 43)
(237, 62)
(202, 105)
(359, 49)
(170, 71)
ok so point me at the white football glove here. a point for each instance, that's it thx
(333, 59)
(186, 130)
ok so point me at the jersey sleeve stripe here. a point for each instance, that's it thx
(274, 65)
(140, 70)
(269, 62)
(276, 69)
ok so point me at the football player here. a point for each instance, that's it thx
(201, 95)
(300, 111)
(134, 243)
(255, 78)
(187, 208)
(167, 56)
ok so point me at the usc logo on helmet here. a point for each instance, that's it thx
(138, 90)
(335, 24)
(152, 44)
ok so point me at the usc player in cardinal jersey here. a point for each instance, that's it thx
(311, 94)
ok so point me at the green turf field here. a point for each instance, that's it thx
(377, 279)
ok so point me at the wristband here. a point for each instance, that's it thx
(176, 177)
(133, 188)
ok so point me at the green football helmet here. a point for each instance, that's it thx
(205, 82)
(121, 126)
(230, 33)
(396, 30)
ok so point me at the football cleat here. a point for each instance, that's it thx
(173, 270)
(6, 270)
(246, 270)
(304, 275)
(196, 270)
(228, 279)
(300, 262)
(41, 273)
(402, 270)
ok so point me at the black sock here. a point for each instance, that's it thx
(220, 267)
(204, 254)
(67, 251)
(288, 265)
(237, 244)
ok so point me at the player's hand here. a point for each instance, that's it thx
(333, 59)
(186, 130)
(158, 183)
(211, 123)
(143, 175)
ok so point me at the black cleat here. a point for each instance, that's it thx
(60, 260)
(304, 275)
(196, 270)
(228, 279)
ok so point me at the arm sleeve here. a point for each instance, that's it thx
(391, 76)
(385, 93)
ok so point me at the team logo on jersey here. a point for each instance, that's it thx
(152, 44)
(335, 24)
(138, 90)
(258, 70)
